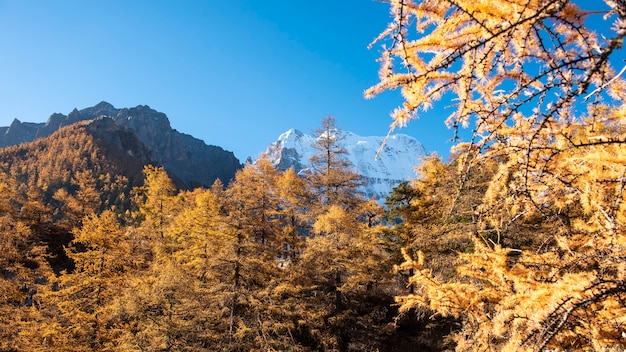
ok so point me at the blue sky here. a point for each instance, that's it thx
(233, 73)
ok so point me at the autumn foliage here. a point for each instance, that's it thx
(270, 261)
(534, 81)
(516, 242)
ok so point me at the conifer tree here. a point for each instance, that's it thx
(342, 283)
(212, 289)
(439, 212)
(23, 265)
(15, 236)
(536, 81)
(292, 208)
(160, 308)
(103, 259)
(332, 181)
(342, 268)
(157, 207)
(251, 257)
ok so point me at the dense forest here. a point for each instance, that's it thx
(271, 261)
(516, 242)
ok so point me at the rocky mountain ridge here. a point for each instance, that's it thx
(187, 158)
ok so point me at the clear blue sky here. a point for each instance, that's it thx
(233, 73)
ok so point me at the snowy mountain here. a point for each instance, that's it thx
(397, 161)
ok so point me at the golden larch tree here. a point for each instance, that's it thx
(332, 180)
(534, 81)
(103, 261)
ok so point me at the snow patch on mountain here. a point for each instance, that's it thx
(395, 163)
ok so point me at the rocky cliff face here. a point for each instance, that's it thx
(18, 132)
(395, 163)
(186, 158)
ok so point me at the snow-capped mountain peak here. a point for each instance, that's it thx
(395, 163)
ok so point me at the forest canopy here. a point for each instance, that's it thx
(271, 261)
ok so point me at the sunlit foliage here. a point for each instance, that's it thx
(534, 81)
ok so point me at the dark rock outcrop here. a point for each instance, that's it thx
(18, 132)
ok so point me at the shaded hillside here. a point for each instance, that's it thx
(80, 168)
(55, 181)
(186, 158)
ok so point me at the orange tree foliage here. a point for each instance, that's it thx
(438, 212)
(231, 271)
(534, 79)
(341, 282)
(332, 181)
(103, 257)
(74, 172)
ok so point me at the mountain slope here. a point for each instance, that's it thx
(57, 180)
(186, 158)
(94, 154)
(395, 163)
